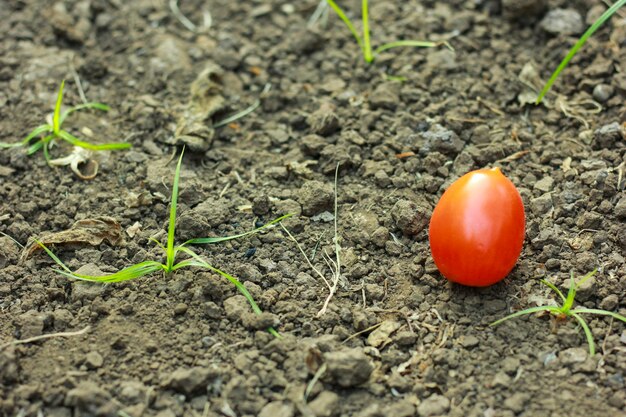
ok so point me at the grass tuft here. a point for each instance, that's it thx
(583, 39)
(364, 41)
(171, 252)
(54, 131)
(566, 311)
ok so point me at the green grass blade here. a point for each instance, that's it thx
(527, 311)
(600, 312)
(157, 243)
(348, 23)
(585, 278)
(367, 46)
(171, 229)
(205, 240)
(132, 272)
(583, 324)
(56, 122)
(37, 145)
(35, 132)
(104, 147)
(571, 294)
(53, 256)
(412, 43)
(97, 106)
(46, 152)
(554, 288)
(592, 29)
(197, 261)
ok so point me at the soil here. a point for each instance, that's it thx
(397, 338)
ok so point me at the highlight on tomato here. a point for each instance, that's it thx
(476, 231)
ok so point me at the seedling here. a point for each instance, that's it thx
(53, 131)
(171, 253)
(566, 311)
(364, 41)
(583, 39)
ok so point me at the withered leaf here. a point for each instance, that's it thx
(84, 232)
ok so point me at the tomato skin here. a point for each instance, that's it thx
(476, 231)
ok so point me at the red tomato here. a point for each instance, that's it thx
(476, 231)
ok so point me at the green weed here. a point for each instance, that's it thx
(53, 131)
(583, 39)
(566, 311)
(171, 253)
(364, 41)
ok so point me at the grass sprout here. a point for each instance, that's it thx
(171, 251)
(583, 39)
(333, 265)
(52, 131)
(363, 41)
(566, 310)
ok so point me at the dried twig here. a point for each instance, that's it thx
(45, 336)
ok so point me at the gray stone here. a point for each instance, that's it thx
(348, 368)
(326, 404)
(433, 406)
(563, 22)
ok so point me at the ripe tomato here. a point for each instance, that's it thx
(476, 231)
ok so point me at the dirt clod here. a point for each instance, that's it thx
(348, 368)
(433, 406)
(316, 197)
(188, 380)
(325, 404)
(410, 217)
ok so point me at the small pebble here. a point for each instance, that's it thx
(180, 309)
(563, 22)
(603, 92)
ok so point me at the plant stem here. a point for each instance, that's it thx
(367, 47)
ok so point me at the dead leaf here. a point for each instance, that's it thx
(84, 232)
(380, 337)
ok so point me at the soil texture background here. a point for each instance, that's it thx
(397, 339)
